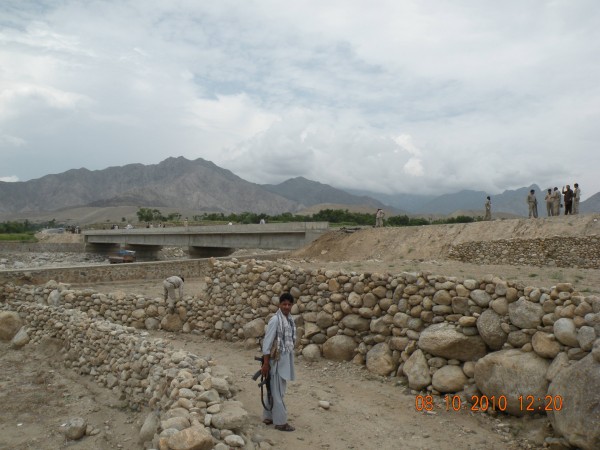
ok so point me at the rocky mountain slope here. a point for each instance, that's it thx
(197, 185)
(309, 193)
(192, 187)
(175, 182)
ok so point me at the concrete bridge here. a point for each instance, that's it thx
(205, 241)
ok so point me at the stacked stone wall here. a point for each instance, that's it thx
(442, 334)
(559, 251)
(337, 311)
(193, 402)
(107, 272)
(156, 270)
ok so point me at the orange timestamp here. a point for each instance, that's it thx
(484, 403)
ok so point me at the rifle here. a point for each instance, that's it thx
(265, 382)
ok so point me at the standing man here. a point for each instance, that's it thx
(532, 202)
(576, 197)
(278, 361)
(549, 203)
(169, 286)
(379, 218)
(556, 202)
(488, 208)
(568, 199)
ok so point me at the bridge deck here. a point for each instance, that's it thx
(284, 236)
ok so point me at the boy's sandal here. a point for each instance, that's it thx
(285, 427)
(267, 421)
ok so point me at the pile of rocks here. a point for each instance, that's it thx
(24, 260)
(558, 251)
(192, 400)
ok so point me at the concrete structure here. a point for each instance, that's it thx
(206, 241)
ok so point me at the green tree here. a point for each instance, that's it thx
(144, 214)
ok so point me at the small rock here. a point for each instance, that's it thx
(75, 428)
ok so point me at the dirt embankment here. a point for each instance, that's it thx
(433, 241)
(59, 238)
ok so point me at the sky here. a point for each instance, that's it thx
(398, 96)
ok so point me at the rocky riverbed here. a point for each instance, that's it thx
(24, 260)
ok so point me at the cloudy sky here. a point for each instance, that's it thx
(417, 96)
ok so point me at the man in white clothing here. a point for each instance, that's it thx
(279, 364)
(169, 286)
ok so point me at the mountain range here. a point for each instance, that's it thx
(202, 186)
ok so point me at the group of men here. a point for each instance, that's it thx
(555, 200)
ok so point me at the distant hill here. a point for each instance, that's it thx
(309, 193)
(191, 187)
(511, 202)
(592, 204)
(408, 203)
(198, 185)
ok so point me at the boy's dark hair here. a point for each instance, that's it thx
(286, 296)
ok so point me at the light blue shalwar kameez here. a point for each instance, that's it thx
(281, 372)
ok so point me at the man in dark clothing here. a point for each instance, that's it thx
(568, 197)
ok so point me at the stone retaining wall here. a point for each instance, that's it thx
(192, 401)
(155, 270)
(559, 251)
(442, 334)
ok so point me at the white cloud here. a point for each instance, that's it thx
(415, 95)
(10, 179)
(11, 141)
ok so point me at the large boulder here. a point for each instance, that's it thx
(231, 417)
(20, 339)
(379, 360)
(481, 297)
(545, 345)
(254, 328)
(578, 386)
(489, 325)
(171, 322)
(444, 340)
(149, 427)
(449, 379)
(566, 332)
(417, 371)
(586, 337)
(512, 373)
(324, 319)
(339, 348)
(74, 428)
(525, 314)
(356, 323)
(54, 298)
(194, 438)
(311, 352)
(10, 324)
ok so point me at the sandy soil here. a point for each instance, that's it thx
(366, 411)
(38, 395)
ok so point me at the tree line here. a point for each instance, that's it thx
(335, 216)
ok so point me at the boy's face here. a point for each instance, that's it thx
(286, 307)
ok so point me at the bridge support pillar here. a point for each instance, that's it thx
(208, 252)
(144, 252)
(102, 249)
